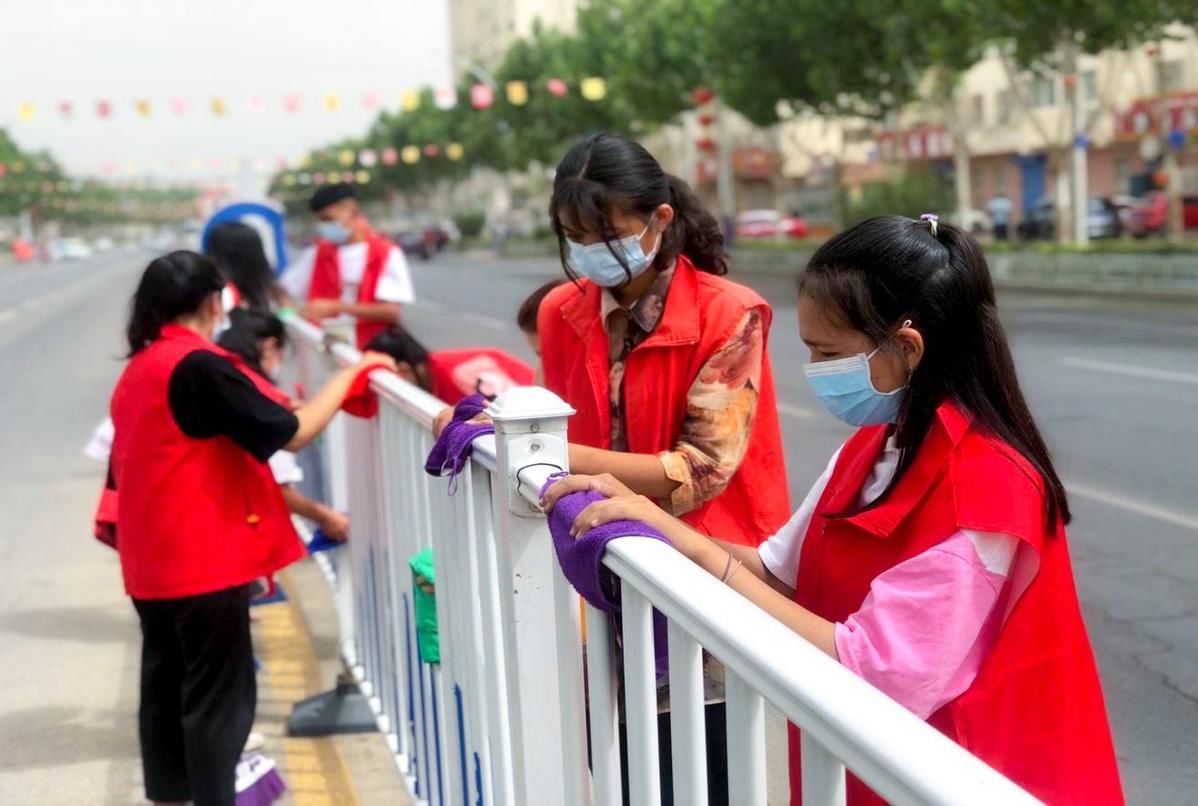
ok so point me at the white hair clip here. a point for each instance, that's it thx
(932, 220)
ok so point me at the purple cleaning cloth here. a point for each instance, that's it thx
(452, 449)
(258, 781)
(581, 560)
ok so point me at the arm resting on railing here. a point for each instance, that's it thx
(715, 557)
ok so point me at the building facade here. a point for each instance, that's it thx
(1017, 128)
(481, 31)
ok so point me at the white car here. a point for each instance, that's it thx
(977, 222)
(69, 249)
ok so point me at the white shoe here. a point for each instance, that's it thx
(255, 741)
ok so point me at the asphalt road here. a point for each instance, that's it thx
(1113, 383)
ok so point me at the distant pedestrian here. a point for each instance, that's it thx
(930, 558)
(352, 274)
(200, 518)
(237, 251)
(999, 209)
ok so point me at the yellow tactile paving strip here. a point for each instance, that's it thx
(315, 773)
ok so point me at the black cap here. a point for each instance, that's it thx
(327, 195)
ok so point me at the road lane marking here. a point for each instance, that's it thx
(1137, 506)
(489, 322)
(1132, 370)
(798, 412)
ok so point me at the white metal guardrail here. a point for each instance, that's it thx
(502, 719)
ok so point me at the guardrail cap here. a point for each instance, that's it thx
(528, 403)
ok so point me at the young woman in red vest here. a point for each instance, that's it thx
(451, 375)
(930, 558)
(663, 359)
(200, 516)
(352, 273)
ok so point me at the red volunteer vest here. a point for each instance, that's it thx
(326, 279)
(459, 373)
(1035, 712)
(701, 312)
(195, 515)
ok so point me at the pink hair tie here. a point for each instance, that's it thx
(932, 220)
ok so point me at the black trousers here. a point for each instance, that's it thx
(717, 757)
(198, 694)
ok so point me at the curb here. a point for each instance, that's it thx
(1096, 285)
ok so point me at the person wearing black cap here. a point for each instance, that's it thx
(351, 273)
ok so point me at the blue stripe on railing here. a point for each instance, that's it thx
(478, 778)
(457, 696)
(413, 668)
(432, 686)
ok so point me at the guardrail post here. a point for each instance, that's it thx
(545, 687)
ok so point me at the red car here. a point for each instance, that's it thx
(769, 224)
(1152, 214)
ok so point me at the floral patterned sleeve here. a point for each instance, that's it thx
(720, 407)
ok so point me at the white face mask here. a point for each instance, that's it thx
(599, 264)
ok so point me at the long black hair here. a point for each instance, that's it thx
(174, 285)
(889, 269)
(247, 330)
(237, 251)
(606, 172)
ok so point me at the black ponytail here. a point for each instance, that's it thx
(606, 172)
(888, 269)
(701, 238)
(174, 285)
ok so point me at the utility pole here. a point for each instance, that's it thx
(725, 183)
(1175, 229)
(1077, 155)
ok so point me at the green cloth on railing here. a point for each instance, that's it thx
(427, 633)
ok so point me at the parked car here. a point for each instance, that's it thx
(1151, 215)
(69, 249)
(414, 242)
(769, 224)
(1102, 220)
(976, 222)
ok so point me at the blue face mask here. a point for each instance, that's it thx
(598, 264)
(332, 231)
(845, 389)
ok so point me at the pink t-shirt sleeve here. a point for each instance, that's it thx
(929, 622)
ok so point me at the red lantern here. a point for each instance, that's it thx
(390, 156)
(431, 150)
(104, 109)
(65, 109)
(706, 120)
(702, 95)
(481, 96)
(706, 144)
(557, 87)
